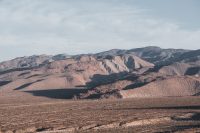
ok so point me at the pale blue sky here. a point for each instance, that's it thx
(86, 26)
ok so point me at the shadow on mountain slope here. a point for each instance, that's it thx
(58, 93)
(2, 83)
(99, 79)
(13, 70)
(27, 84)
(193, 71)
(135, 85)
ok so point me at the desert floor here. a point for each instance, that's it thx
(27, 113)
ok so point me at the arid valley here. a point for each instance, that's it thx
(139, 90)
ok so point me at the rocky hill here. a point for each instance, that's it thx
(30, 61)
(152, 54)
(72, 72)
(142, 72)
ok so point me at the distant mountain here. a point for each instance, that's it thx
(73, 72)
(190, 56)
(153, 54)
(142, 72)
(60, 57)
(24, 62)
(30, 61)
(180, 78)
(187, 63)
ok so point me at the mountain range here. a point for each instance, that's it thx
(141, 72)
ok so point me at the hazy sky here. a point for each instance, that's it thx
(30, 27)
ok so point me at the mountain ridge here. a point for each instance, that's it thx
(110, 74)
(36, 60)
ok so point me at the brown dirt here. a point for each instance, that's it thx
(129, 115)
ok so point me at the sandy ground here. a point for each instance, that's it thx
(22, 112)
(27, 113)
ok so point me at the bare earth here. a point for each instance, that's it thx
(172, 114)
